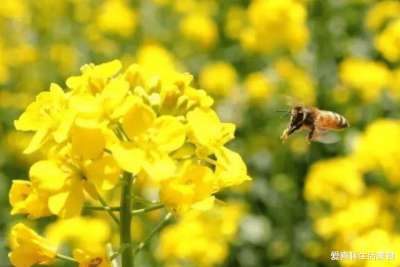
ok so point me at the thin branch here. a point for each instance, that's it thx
(158, 227)
(143, 200)
(102, 208)
(122, 132)
(147, 209)
(117, 209)
(66, 258)
(106, 207)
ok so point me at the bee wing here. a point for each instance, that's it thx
(325, 137)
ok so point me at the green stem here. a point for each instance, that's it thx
(144, 201)
(106, 207)
(156, 229)
(102, 208)
(126, 218)
(117, 209)
(147, 209)
(65, 258)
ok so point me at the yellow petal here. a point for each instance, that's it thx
(37, 141)
(30, 120)
(230, 169)
(170, 133)
(103, 172)
(67, 203)
(36, 205)
(28, 248)
(20, 258)
(128, 102)
(114, 93)
(86, 106)
(47, 175)
(37, 114)
(62, 132)
(87, 258)
(204, 126)
(128, 157)
(108, 69)
(19, 191)
(87, 140)
(57, 202)
(159, 168)
(138, 119)
(207, 130)
(205, 204)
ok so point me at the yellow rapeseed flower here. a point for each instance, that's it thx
(258, 86)
(195, 183)
(25, 199)
(28, 248)
(207, 131)
(387, 43)
(156, 59)
(235, 21)
(89, 234)
(200, 29)
(47, 117)
(381, 12)
(17, 9)
(378, 149)
(275, 24)
(116, 17)
(368, 77)
(218, 78)
(201, 237)
(94, 77)
(334, 181)
(378, 240)
(155, 138)
(353, 217)
(87, 259)
(155, 126)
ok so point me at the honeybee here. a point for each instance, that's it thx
(316, 121)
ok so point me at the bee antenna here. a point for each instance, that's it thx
(282, 110)
(285, 112)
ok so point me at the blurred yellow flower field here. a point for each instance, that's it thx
(147, 133)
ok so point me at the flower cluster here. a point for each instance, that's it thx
(218, 78)
(368, 77)
(384, 19)
(275, 25)
(193, 238)
(357, 209)
(108, 123)
(28, 249)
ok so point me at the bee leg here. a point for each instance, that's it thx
(284, 135)
(311, 134)
(294, 128)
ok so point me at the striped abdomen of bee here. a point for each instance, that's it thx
(331, 120)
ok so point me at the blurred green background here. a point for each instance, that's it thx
(254, 57)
